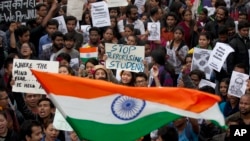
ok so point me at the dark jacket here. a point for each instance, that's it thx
(240, 54)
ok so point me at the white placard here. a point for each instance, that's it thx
(100, 14)
(25, 81)
(140, 5)
(117, 3)
(60, 123)
(219, 55)
(125, 57)
(118, 75)
(148, 59)
(200, 61)
(238, 84)
(85, 28)
(62, 25)
(204, 82)
(44, 47)
(154, 31)
(75, 8)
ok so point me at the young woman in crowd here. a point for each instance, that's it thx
(87, 71)
(204, 42)
(159, 61)
(26, 51)
(86, 18)
(176, 51)
(129, 31)
(6, 133)
(190, 28)
(65, 70)
(186, 67)
(223, 88)
(127, 78)
(101, 73)
(50, 133)
(109, 36)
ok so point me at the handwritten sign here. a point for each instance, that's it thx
(25, 81)
(219, 55)
(200, 61)
(238, 84)
(62, 25)
(74, 8)
(154, 31)
(117, 3)
(100, 14)
(17, 10)
(125, 57)
(60, 123)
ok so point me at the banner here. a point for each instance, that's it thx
(25, 81)
(117, 3)
(125, 57)
(75, 8)
(17, 10)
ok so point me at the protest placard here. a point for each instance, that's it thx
(85, 28)
(219, 55)
(117, 3)
(25, 81)
(62, 25)
(100, 14)
(238, 84)
(60, 123)
(154, 31)
(125, 57)
(74, 8)
(17, 10)
(140, 5)
(200, 61)
(205, 82)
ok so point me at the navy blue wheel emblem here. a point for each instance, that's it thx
(127, 108)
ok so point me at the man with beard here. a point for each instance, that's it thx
(69, 43)
(243, 115)
(94, 38)
(221, 18)
(57, 44)
(132, 18)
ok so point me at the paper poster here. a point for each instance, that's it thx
(117, 3)
(75, 8)
(118, 75)
(125, 57)
(62, 25)
(25, 81)
(148, 59)
(238, 84)
(204, 82)
(154, 31)
(140, 5)
(211, 10)
(44, 47)
(60, 123)
(219, 55)
(200, 61)
(85, 28)
(100, 14)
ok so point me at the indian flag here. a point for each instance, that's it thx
(101, 111)
(86, 53)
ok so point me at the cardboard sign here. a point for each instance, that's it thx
(125, 57)
(25, 81)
